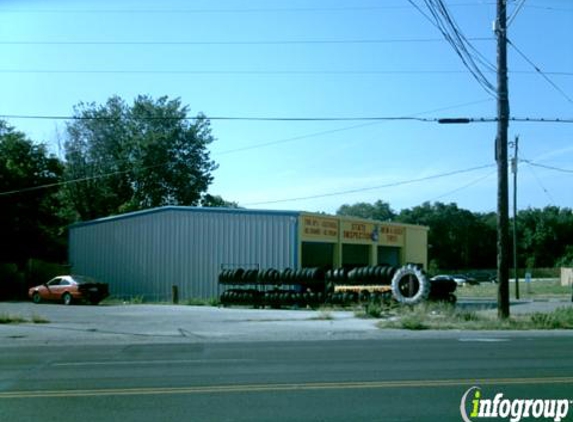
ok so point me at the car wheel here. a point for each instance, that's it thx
(67, 298)
(36, 298)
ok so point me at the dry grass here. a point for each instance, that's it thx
(435, 316)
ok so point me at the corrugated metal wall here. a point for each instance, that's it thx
(145, 253)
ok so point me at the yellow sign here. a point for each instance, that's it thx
(357, 231)
(319, 228)
(362, 232)
(391, 235)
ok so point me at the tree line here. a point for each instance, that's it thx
(462, 239)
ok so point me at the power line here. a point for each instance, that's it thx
(232, 118)
(255, 146)
(327, 132)
(461, 188)
(278, 72)
(255, 42)
(440, 17)
(248, 72)
(213, 11)
(365, 189)
(550, 8)
(300, 119)
(538, 70)
(82, 179)
(515, 12)
(561, 170)
(543, 188)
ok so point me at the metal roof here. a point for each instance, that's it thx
(220, 210)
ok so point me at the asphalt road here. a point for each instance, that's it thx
(393, 379)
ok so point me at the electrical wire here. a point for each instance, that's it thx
(515, 12)
(440, 17)
(461, 188)
(538, 70)
(370, 188)
(543, 188)
(248, 72)
(561, 170)
(327, 132)
(232, 118)
(82, 179)
(209, 11)
(256, 42)
(250, 147)
(304, 119)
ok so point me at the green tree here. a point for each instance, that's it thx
(132, 157)
(544, 235)
(30, 223)
(458, 238)
(379, 210)
(216, 201)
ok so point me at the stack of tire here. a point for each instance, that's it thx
(306, 287)
(246, 297)
(380, 274)
(278, 298)
(312, 286)
(238, 276)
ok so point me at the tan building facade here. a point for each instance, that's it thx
(334, 241)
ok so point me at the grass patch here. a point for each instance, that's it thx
(561, 318)
(436, 316)
(536, 289)
(322, 316)
(376, 310)
(195, 301)
(113, 300)
(6, 318)
(39, 319)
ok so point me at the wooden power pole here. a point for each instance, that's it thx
(501, 158)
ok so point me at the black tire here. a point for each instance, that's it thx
(410, 286)
(364, 296)
(36, 298)
(67, 299)
(379, 274)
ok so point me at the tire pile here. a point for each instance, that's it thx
(379, 274)
(308, 277)
(313, 286)
(290, 288)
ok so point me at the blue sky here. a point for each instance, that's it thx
(312, 58)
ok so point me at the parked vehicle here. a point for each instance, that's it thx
(442, 288)
(69, 289)
(484, 276)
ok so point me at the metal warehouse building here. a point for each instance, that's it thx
(145, 253)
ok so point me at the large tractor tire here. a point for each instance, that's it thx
(410, 286)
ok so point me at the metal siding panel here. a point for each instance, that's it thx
(148, 253)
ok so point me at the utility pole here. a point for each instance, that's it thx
(501, 158)
(514, 163)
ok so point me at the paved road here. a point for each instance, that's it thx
(179, 363)
(395, 379)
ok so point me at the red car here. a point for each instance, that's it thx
(68, 289)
